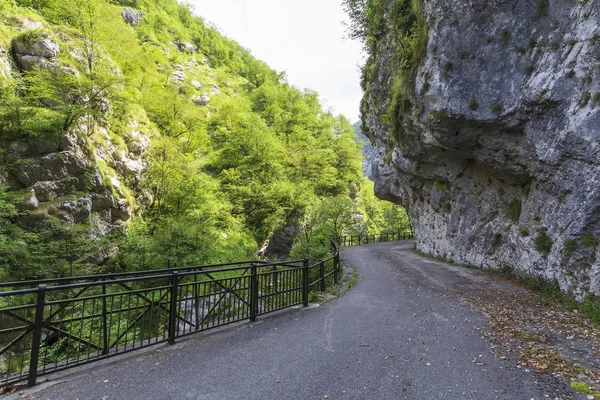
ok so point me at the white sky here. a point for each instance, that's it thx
(304, 38)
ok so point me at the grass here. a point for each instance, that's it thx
(514, 210)
(585, 389)
(590, 307)
(352, 282)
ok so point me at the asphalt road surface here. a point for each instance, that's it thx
(398, 334)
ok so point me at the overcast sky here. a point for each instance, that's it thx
(304, 38)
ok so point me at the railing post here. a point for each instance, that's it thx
(37, 335)
(305, 282)
(104, 320)
(173, 308)
(275, 280)
(359, 240)
(196, 294)
(322, 274)
(253, 293)
(335, 268)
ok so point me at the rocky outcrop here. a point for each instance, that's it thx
(64, 179)
(131, 16)
(35, 49)
(496, 154)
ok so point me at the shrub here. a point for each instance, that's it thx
(498, 109)
(514, 210)
(543, 243)
(448, 67)
(585, 99)
(570, 245)
(529, 68)
(524, 231)
(542, 7)
(589, 240)
(474, 105)
(441, 186)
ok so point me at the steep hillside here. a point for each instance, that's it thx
(486, 119)
(134, 136)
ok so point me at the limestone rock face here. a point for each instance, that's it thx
(497, 157)
(35, 50)
(131, 16)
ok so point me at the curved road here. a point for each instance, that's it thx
(398, 334)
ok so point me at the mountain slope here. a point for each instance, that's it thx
(135, 136)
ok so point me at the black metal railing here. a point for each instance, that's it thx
(357, 240)
(54, 324)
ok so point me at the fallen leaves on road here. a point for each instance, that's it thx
(541, 333)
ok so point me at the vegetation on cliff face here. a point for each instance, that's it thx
(378, 23)
(224, 152)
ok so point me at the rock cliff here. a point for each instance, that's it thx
(495, 150)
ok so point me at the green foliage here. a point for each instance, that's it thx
(529, 68)
(448, 67)
(498, 109)
(441, 186)
(523, 231)
(372, 21)
(543, 243)
(474, 105)
(570, 245)
(585, 99)
(339, 216)
(588, 240)
(595, 100)
(220, 178)
(514, 210)
(585, 389)
(351, 282)
(542, 7)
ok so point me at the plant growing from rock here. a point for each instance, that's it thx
(570, 245)
(543, 243)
